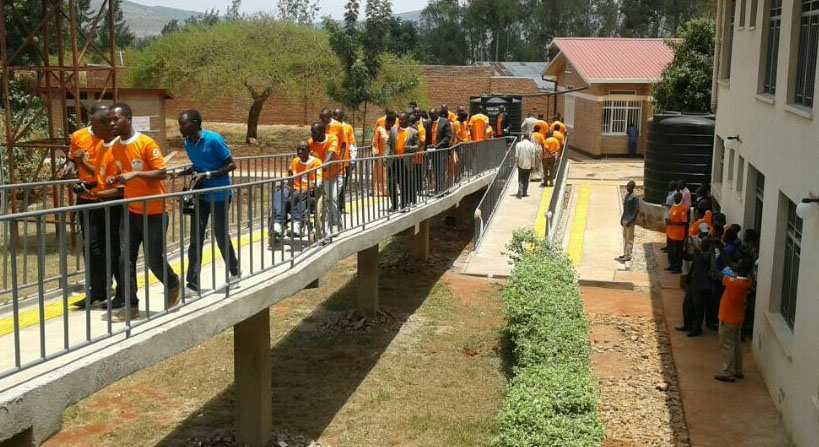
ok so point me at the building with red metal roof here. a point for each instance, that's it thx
(607, 84)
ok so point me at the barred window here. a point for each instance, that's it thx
(806, 62)
(772, 46)
(790, 271)
(617, 115)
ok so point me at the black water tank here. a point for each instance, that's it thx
(680, 147)
(513, 104)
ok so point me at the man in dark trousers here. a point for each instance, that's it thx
(698, 291)
(403, 139)
(443, 138)
(631, 209)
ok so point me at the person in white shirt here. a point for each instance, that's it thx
(524, 159)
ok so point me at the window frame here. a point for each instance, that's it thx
(807, 50)
(772, 40)
(759, 202)
(741, 23)
(619, 113)
(790, 266)
(569, 117)
(719, 164)
(740, 173)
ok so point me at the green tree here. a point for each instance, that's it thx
(686, 82)
(254, 58)
(123, 36)
(443, 36)
(370, 75)
(298, 11)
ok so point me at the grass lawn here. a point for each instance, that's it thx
(427, 373)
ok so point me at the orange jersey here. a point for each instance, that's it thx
(380, 137)
(543, 127)
(695, 227)
(305, 181)
(337, 128)
(557, 126)
(321, 149)
(499, 124)
(349, 133)
(732, 304)
(461, 131)
(400, 140)
(477, 126)
(139, 153)
(451, 116)
(552, 146)
(560, 137)
(434, 131)
(539, 139)
(105, 166)
(677, 214)
(85, 140)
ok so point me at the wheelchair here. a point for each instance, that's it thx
(311, 226)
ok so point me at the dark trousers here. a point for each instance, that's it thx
(104, 250)
(199, 224)
(675, 254)
(523, 181)
(549, 170)
(397, 178)
(632, 148)
(415, 180)
(153, 236)
(343, 189)
(694, 305)
(439, 168)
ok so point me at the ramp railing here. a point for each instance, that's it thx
(494, 192)
(272, 222)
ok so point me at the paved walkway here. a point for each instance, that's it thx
(512, 213)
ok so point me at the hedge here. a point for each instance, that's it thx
(552, 398)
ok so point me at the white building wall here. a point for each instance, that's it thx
(781, 141)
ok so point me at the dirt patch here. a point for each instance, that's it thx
(631, 359)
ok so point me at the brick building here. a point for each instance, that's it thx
(610, 81)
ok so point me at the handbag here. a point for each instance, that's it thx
(189, 200)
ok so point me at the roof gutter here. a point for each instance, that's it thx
(717, 57)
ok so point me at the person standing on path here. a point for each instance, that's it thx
(527, 124)
(675, 227)
(731, 314)
(525, 154)
(551, 152)
(212, 163)
(632, 133)
(631, 209)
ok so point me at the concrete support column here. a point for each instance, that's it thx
(252, 371)
(419, 242)
(24, 439)
(368, 282)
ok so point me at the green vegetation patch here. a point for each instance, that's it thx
(552, 399)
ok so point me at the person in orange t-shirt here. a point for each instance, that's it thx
(542, 125)
(380, 138)
(731, 314)
(550, 155)
(560, 137)
(383, 118)
(477, 125)
(307, 171)
(558, 126)
(140, 168)
(325, 147)
(89, 147)
(349, 151)
(675, 232)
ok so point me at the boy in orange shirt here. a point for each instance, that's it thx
(675, 232)
(326, 147)
(295, 193)
(140, 168)
(731, 314)
(551, 152)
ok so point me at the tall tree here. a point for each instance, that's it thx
(233, 10)
(298, 11)
(686, 82)
(123, 36)
(444, 38)
(255, 59)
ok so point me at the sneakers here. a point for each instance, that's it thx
(233, 282)
(277, 229)
(173, 296)
(297, 229)
(85, 302)
(725, 378)
(122, 315)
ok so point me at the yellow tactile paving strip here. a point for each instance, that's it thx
(540, 219)
(578, 228)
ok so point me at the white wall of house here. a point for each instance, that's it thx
(780, 140)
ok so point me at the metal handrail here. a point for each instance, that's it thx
(491, 198)
(554, 210)
(414, 181)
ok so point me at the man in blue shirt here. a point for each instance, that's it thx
(212, 163)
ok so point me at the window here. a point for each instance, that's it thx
(772, 46)
(742, 13)
(752, 19)
(568, 68)
(568, 111)
(617, 115)
(790, 271)
(806, 62)
(740, 173)
(760, 199)
(730, 165)
(719, 159)
(728, 43)
(622, 92)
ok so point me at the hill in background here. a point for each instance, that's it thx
(148, 20)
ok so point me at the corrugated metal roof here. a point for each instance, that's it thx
(531, 70)
(600, 60)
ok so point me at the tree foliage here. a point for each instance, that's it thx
(254, 58)
(298, 11)
(369, 74)
(686, 82)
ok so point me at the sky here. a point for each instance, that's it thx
(334, 8)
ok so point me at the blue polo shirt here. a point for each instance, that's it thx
(209, 154)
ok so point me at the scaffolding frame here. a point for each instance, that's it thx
(62, 48)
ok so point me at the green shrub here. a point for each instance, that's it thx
(552, 400)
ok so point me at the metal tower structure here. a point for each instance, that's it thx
(54, 57)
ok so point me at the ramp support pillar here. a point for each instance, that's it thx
(367, 303)
(419, 242)
(252, 375)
